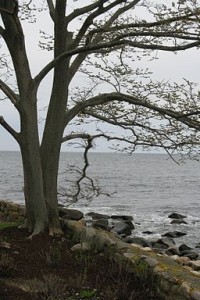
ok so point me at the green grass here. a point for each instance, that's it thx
(8, 224)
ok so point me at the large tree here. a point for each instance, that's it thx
(99, 42)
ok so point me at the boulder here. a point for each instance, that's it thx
(130, 224)
(70, 214)
(101, 223)
(97, 216)
(167, 242)
(190, 254)
(139, 241)
(172, 251)
(81, 247)
(122, 217)
(147, 232)
(197, 245)
(194, 264)
(184, 247)
(122, 228)
(178, 221)
(176, 216)
(174, 234)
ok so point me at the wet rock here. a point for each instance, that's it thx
(174, 234)
(172, 251)
(122, 217)
(122, 228)
(197, 245)
(147, 232)
(157, 247)
(176, 216)
(167, 242)
(190, 254)
(130, 224)
(184, 247)
(139, 241)
(97, 216)
(178, 221)
(70, 214)
(101, 223)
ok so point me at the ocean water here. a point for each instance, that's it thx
(146, 186)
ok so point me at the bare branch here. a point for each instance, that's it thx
(89, 37)
(51, 9)
(145, 24)
(83, 175)
(86, 9)
(9, 129)
(91, 17)
(8, 92)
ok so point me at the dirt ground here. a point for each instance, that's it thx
(45, 268)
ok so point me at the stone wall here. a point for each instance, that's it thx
(11, 212)
(171, 280)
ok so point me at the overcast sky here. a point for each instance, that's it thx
(169, 67)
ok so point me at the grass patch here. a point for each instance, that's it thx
(8, 224)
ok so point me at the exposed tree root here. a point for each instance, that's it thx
(55, 231)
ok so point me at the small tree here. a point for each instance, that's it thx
(108, 37)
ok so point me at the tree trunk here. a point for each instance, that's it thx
(36, 212)
(54, 127)
(28, 138)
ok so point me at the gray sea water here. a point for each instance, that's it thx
(147, 186)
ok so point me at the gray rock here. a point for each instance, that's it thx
(97, 216)
(139, 241)
(174, 234)
(147, 232)
(122, 228)
(168, 242)
(197, 245)
(122, 217)
(178, 221)
(158, 246)
(194, 264)
(190, 254)
(130, 224)
(176, 216)
(184, 247)
(81, 247)
(151, 262)
(172, 251)
(70, 214)
(101, 223)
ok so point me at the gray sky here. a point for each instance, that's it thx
(168, 67)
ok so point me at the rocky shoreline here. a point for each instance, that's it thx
(123, 227)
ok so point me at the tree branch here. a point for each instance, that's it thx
(102, 46)
(8, 92)
(51, 9)
(144, 24)
(131, 99)
(86, 9)
(91, 17)
(80, 58)
(14, 134)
